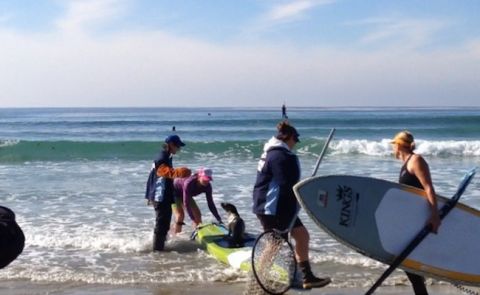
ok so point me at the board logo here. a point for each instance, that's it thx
(322, 198)
(349, 202)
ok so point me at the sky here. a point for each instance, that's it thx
(239, 53)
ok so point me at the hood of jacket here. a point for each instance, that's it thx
(272, 143)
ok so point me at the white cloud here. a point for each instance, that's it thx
(83, 13)
(412, 33)
(292, 10)
(144, 68)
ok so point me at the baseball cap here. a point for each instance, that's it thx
(175, 139)
(404, 138)
(205, 174)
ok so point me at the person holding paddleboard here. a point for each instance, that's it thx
(274, 201)
(187, 188)
(415, 172)
(159, 190)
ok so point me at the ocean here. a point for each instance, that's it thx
(76, 179)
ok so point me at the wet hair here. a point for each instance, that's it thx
(286, 131)
(405, 139)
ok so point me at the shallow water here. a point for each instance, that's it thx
(76, 182)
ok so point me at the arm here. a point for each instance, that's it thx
(211, 204)
(422, 172)
(286, 173)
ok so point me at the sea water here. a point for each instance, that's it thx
(76, 180)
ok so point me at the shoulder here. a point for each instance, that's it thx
(163, 156)
(190, 180)
(418, 163)
(280, 153)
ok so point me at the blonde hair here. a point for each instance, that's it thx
(405, 139)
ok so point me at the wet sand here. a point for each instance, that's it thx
(31, 288)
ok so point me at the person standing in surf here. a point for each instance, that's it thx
(159, 190)
(274, 201)
(187, 188)
(415, 172)
(284, 111)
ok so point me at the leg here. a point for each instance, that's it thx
(163, 212)
(197, 215)
(418, 283)
(177, 208)
(302, 238)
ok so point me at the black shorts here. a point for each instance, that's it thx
(270, 222)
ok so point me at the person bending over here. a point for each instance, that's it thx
(185, 190)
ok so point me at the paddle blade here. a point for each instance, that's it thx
(273, 263)
(465, 182)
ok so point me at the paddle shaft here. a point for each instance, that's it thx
(424, 232)
(325, 146)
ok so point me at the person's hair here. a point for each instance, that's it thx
(286, 131)
(405, 139)
(165, 147)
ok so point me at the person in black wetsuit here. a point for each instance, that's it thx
(160, 191)
(415, 172)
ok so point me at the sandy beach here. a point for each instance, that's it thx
(34, 288)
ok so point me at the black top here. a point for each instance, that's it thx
(408, 178)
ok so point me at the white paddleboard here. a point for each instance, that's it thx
(379, 218)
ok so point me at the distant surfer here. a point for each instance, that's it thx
(274, 201)
(173, 128)
(284, 111)
(415, 172)
(159, 190)
(187, 188)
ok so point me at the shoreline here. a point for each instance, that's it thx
(17, 287)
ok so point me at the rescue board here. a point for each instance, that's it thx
(213, 238)
(379, 218)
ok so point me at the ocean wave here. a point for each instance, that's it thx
(8, 142)
(23, 151)
(461, 148)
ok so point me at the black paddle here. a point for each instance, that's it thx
(447, 207)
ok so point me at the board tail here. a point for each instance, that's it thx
(425, 231)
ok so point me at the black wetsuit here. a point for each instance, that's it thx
(418, 282)
(12, 239)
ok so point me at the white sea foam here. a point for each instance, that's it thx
(470, 148)
(8, 142)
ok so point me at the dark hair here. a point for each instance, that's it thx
(286, 131)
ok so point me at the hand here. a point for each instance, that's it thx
(149, 202)
(435, 221)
